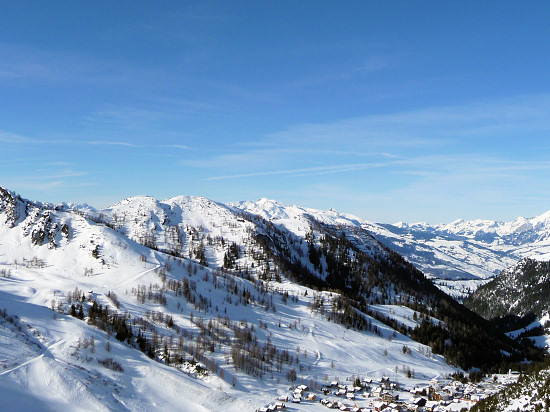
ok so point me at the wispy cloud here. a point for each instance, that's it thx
(27, 184)
(7, 137)
(444, 166)
(21, 63)
(112, 143)
(159, 115)
(63, 174)
(440, 189)
(175, 146)
(136, 145)
(126, 117)
(438, 126)
(17, 139)
(308, 171)
(415, 141)
(263, 156)
(48, 181)
(59, 163)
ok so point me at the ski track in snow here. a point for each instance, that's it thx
(44, 352)
(132, 279)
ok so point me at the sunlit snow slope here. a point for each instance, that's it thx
(54, 257)
(189, 304)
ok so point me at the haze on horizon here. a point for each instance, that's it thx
(394, 111)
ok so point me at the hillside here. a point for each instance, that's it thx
(322, 250)
(518, 301)
(519, 290)
(530, 393)
(194, 305)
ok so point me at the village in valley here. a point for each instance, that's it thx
(373, 395)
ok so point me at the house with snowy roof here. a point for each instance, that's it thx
(379, 405)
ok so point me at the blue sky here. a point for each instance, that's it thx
(394, 110)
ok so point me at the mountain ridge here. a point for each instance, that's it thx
(459, 256)
(242, 303)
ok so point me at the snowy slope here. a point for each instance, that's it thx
(45, 362)
(52, 256)
(283, 242)
(530, 393)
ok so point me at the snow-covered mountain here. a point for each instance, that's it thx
(189, 304)
(519, 232)
(463, 249)
(459, 256)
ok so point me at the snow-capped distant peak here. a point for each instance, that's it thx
(134, 200)
(267, 208)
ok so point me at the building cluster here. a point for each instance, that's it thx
(385, 395)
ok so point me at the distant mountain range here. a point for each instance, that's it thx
(458, 256)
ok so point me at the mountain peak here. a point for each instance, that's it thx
(138, 199)
(541, 219)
